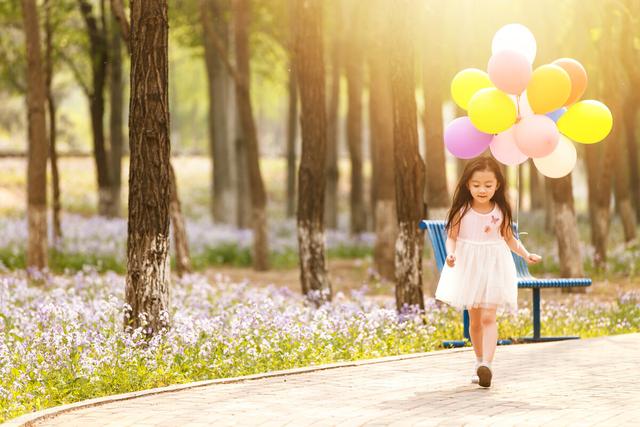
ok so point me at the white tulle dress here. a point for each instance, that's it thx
(484, 274)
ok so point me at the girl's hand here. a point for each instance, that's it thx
(451, 260)
(534, 258)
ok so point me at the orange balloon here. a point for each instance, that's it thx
(578, 76)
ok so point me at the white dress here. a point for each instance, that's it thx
(484, 274)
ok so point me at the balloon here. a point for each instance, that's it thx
(515, 37)
(463, 140)
(466, 83)
(504, 149)
(578, 76)
(556, 114)
(548, 89)
(560, 162)
(587, 122)
(536, 136)
(509, 71)
(492, 111)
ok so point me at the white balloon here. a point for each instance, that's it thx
(515, 37)
(560, 162)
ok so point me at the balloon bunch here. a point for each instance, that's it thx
(520, 113)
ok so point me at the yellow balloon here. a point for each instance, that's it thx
(586, 121)
(549, 88)
(466, 83)
(492, 111)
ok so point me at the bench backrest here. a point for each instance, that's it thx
(438, 237)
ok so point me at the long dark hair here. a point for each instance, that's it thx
(462, 197)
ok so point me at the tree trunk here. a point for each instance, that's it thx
(99, 60)
(409, 167)
(37, 156)
(116, 130)
(309, 65)
(180, 241)
(566, 230)
(536, 188)
(147, 288)
(292, 125)
(354, 71)
(51, 104)
(381, 121)
(432, 89)
(622, 192)
(332, 171)
(214, 25)
(630, 118)
(258, 195)
(243, 219)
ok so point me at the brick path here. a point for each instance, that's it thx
(583, 382)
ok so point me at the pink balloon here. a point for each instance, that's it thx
(463, 140)
(536, 136)
(510, 71)
(504, 148)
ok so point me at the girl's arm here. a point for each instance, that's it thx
(450, 244)
(516, 246)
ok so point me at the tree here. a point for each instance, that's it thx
(116, 95)
(292, 121)
(241, 11)
(309, 64)
(409, 167)
(181, 245)
(147, 284)
(433, 84)
(37, 157)
(381, 121)
(216, 31)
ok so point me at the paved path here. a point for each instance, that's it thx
(583, 382)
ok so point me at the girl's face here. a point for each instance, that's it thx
(482, 186)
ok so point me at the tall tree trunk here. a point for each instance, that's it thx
(622, 193)
(214, 25)
(37, 157)
(99, 60)
(566, 230)
(432, 89)
(631, 121)
(332, 171)
(292, 128)
(309, 65)
(180, 241)
(354, 71)
(536, 188)
(51, 104)
(409, 166)
(147, 287)
(241, 11)
(243, 210)
(116, 130)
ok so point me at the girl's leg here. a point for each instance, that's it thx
(475, 330)
(489, 333)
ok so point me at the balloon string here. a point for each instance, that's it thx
(517, 108)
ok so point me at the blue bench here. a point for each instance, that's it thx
(438, 237)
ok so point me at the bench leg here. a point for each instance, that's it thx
(536, 322)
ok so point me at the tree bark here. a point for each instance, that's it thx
(381, 120)
(566, 230)
(292, 128)
(622, 192)
(241, 13)
(432, 89)
(180, 241)
(354, 71)
(116, 131)
(99, 59)
(332, 172)
(37, 156)
(51, 104)
(309, 65)
(147, 287)
(214, 25)
(409, 166)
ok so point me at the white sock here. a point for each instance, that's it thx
(478, 361)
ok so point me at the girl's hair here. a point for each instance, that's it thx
(462, 197)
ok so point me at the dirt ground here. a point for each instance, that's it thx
(346, 275)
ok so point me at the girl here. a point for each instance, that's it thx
(480, 274)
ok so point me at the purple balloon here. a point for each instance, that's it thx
(556, 114)
(463, 140)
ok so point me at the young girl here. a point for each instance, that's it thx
(480, 274)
